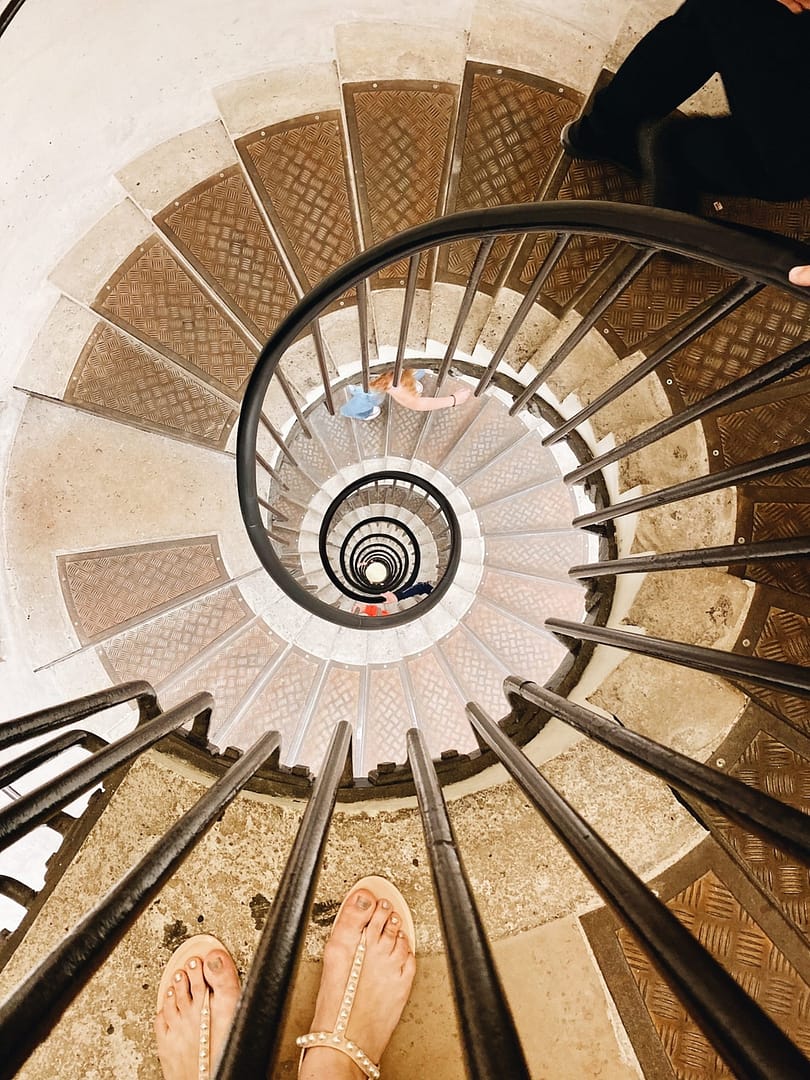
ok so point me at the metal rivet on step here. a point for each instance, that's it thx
(402, 281)
(669, 382)
(606, 330)
(746, 643)
(374, 85)
(435, 86)
(342, 303)
(560, 89)
(740, 539)
(720, 763)
(715, 453)
(499, 71)
(176, 203)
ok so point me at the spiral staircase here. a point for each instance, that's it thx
(137, 378)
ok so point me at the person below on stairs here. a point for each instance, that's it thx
(368, 970)
(373, 610)
(366, 406)
(761, 50)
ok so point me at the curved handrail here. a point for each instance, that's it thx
(9, 11)
(749, 252)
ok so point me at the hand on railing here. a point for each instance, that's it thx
(800, 275)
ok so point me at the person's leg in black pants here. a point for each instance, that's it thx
(761, 51)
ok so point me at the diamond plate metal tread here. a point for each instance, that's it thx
(715, 916)
(788, 218)
(228, 674)
(217, 227)
(439, 706)
(548, 507)
(492, 431)
(507, 145)
(584, 255)
(780, 771)
(153, 298)
(518, 647)
(545, 556)
(446, 427)
(405, 427)
(370, 434)
(478, 675)
(771, 521)
(113, 589)
(768, 324)
(399, 134)
(757, 430)
(785, 637)
(311, 457)
(336, 433)
(157, 650)
(339, 699)
(387, 717)
(117, 378)
(279, 705)
(532, 599)
(301, 174)
(525, 465)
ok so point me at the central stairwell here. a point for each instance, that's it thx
(591, 349)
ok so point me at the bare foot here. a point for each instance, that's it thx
(382, 990)
(800, 275)
(177, 1024)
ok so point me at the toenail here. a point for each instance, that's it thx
(385, 904)
(400, 933)
(394, 920)
(362, 902)
(216, 963)
(177, 976)
(170, 992)
(192, 964)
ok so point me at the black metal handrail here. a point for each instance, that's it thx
(759, 258)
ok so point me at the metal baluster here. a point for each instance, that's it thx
(35, 1007)
(320, 352)
(255, 1036)
(699, 325)
(407, 312)
(69, 712)
(776, 822)
(277, 438)
(781, 461)
(595, 311)
(362, 318)
(789, 678)
(727, 555)
(466, 306)
(745, 1037)
(488, 1034)
(293, 400)
(526, 304)
(38, 805)
(783, 365)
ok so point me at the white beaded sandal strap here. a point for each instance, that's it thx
(336, 1040)
(204, 1059)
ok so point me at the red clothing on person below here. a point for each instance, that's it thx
(373, 609)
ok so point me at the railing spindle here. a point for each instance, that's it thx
(699, 325)
(70, 712)
(781, 461)
(793, 360)
(476, 273)
(585, 324)
(255, 1036)
(787, 678)
(35, 1007)
(38, 805)
(362, 319)
(776, 822)
(277, 438)
(746, 1038)
(323, 368)
(726, 555)
(526, 304)
(488, 1034)
(407, 313)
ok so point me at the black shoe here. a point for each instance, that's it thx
(578, 141)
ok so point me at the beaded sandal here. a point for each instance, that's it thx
(336, 1040)
(199, 946)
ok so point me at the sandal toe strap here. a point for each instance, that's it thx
(330, 1040)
